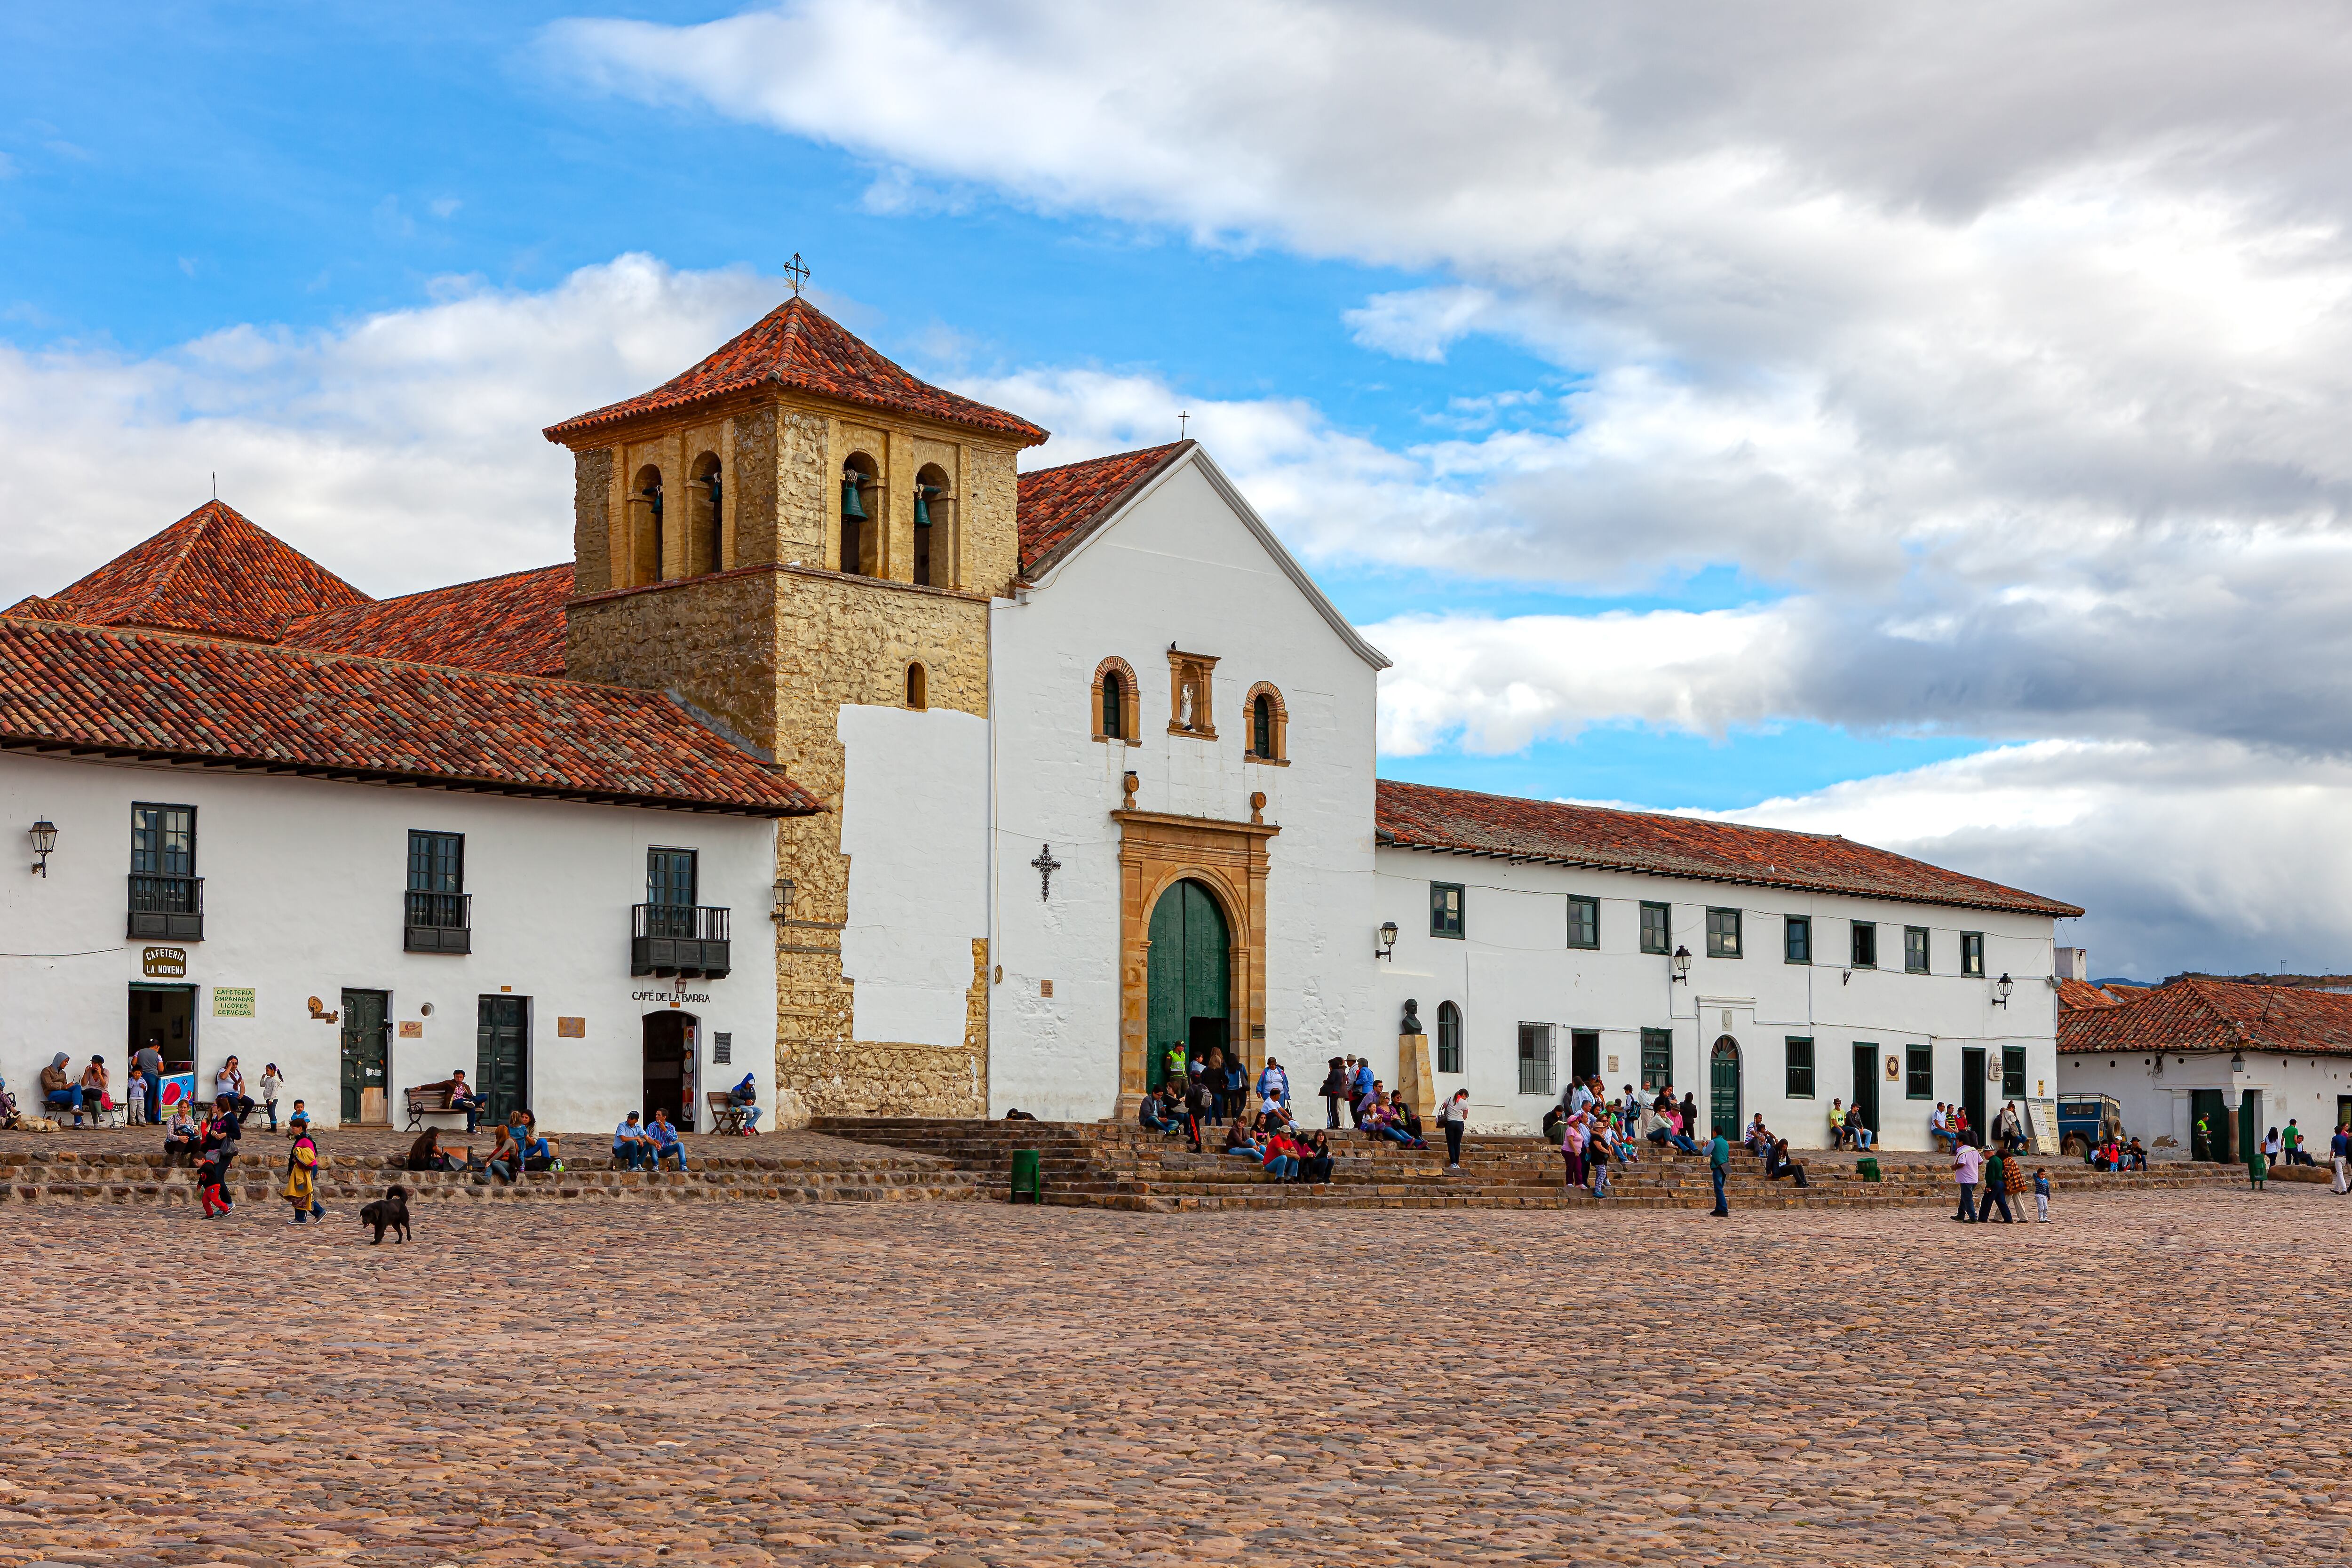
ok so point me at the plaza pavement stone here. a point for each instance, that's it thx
(2157, 1377)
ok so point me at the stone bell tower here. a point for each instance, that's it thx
(793, 527)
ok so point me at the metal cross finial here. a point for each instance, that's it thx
(1046, 865)
(797, 270)
(1183, 417)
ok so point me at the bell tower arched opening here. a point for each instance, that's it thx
(861, 516)
(934, 529)
(706, 548)
(647, 560)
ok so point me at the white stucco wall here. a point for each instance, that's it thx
(1513, 965)
(913, 824)
(1179, 567)
(2157, 1106)
(303, 881)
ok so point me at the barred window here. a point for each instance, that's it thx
(1800, 1067)
(1535, 1058)
(1918, 1072)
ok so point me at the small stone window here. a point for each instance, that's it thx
(1269, 727)
(919, 688)
(1114, 702)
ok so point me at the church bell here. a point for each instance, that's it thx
(923, 493)
(851, 506)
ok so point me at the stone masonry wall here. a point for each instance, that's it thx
(709, 638)
(592, 501)
(844, 639)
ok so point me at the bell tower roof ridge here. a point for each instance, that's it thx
(798, 348)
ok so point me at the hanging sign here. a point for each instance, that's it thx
(164, 962)
(232, 1001)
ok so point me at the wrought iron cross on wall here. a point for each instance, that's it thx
(1046, 865)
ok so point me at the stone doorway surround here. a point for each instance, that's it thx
(1156, 851)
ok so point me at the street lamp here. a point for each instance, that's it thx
(2001, 990)
(1387, 942)
(44, 834)
(783, 898)
(1682, 963)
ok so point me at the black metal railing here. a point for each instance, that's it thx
(678, 939)
(172, 908)
(438, 922)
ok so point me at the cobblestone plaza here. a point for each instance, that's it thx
(2156, 1377)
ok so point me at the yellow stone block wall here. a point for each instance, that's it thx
(710, 639)
(592, 520)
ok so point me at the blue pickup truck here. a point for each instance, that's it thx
(2085, 1121)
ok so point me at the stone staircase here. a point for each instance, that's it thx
(1095, 1164)
(67, 1175)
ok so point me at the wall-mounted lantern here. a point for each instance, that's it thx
(1387, 942)
(44, 834)
(1682, 963)
(783, 898)
(2001, 990)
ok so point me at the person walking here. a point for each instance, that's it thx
(2339, 1152)
(1964, 1168)
(1718, 1164)
(1995, 1187)
(2041, 1195)
(1456, 1115)
(301, 1189)
(2258, 1166)
(1596, 1161)
(1358, 1087)
(1571, 1151)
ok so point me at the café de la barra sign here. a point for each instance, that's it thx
(164, 962)
(669, 996)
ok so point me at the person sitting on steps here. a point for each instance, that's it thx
(1777, 1164)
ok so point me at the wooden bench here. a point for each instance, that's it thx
(424, 1102)
(726, 1116)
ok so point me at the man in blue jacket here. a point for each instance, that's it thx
(1719, 1161)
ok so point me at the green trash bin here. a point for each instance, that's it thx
(1867, 1169)
(1025, 1177)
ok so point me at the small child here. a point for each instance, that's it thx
(300, 1123)
(208, 1182)
(2041, 1195)
(138, 1100)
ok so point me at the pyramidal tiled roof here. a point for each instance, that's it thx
(800, 348)
(512, 623)
(213, 572)
(1061, 506)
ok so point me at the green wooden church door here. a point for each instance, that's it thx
(1723, 1089)
(1186, 1003)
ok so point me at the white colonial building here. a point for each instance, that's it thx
(924, 784)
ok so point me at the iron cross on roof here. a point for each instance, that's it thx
(797, 270)
(1046, 865)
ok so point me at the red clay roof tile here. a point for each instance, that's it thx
(105, 692)
(1061, 506)
(212, 573)
(1421, 816)
(512, 623)
(2189, 1014)
(800, 348)
(2075, 994)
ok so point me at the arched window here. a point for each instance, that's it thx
(1449, 1037)
(707, 549)
(861, 498)
(646, 502)
(1115, 717)
(934, 528)
(919, 688)
(1268, 727)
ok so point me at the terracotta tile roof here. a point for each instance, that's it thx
(1061, 506)
(2191, 1014)
(212, 573)
(1421, 816)
(800, 348)
(97, 691)
(512, 623)
(2083, 993)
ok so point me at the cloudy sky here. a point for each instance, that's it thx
(1921, 423)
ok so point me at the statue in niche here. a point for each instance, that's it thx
(1184, 713)
(1412, 1025)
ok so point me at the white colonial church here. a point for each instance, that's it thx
(846, 754)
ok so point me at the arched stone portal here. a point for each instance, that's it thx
(1158, 852)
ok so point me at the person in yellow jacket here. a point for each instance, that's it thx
(301, 1187)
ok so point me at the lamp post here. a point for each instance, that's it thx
(1682, 963)
(44, 834)
(1387, 942)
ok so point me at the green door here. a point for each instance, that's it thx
(2205, 1107)
(1187, 999)
(1865, 1084)
(502, 1054)
(367, 1049)
(1723, 1089)
(2250, 1124)
(1972, 1091)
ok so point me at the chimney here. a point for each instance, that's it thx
(2073, 963)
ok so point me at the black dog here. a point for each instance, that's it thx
(389, 1212)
